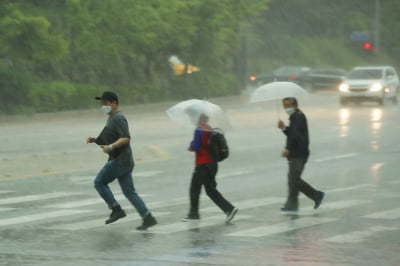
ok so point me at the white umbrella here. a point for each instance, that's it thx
(187, 113)
(277, 91)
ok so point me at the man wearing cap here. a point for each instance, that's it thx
(114, 140)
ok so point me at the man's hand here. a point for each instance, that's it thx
(281, 125)
(90, 140)
(106, 148)
(285, 153)
(190, 149)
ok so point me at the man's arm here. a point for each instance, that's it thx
(195, 145)
(117, 144)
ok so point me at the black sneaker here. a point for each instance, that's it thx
(116, 214)
(191, 217)
(319, 200)
(148, 221)
(230, 215)
(287, 209)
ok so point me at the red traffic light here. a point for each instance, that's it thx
(367, 46)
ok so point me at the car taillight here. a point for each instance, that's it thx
(292, 77)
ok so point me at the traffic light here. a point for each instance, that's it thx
(367, 46)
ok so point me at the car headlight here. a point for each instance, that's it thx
(344, 87)
(376, 87)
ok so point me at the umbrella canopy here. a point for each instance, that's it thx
(187, 113)
(276, 91)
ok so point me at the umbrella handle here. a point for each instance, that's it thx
(278, 109)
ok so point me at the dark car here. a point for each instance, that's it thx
(283, 73)
(322, 78)
(290, 73)
(260, 79)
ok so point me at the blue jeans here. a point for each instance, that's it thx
(111, 171)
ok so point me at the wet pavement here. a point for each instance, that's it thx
(50, 213)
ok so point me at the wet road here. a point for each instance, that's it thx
(50, 213)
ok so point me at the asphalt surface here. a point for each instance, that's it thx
(50, 213)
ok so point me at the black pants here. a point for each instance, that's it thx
(204, 174)
(296, 184)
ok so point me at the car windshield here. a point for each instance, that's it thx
(365, 74)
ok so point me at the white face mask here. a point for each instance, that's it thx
(106, 109)
(289, 110)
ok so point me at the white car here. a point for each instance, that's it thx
(372, 83)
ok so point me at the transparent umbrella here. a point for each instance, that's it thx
(276, 91)
(187, 113)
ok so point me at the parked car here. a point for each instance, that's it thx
(283, 73)
(291, 73)
(322, 79)
(260, 79)
(371, 83)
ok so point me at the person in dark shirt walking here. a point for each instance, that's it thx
(114, 140)
(204, 174)
(297, 152)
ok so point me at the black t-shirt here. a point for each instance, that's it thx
(116, 128)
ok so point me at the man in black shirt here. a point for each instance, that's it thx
(114, 140)
(297, 152)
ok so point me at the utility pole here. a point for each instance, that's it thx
(377, 25)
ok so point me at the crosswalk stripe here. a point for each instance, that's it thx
(98, 222)
(336, 157)
(347, 188)
(85, 202)
(262, 231)
(184, 226)
(35, 197)
(330, 206)
(388, 214)
(6, 209)
(4, 191)
(40, 216)
(248, 204)
(358, 236)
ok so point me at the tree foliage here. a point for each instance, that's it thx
(71, 47)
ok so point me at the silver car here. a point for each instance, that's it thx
(372, 83)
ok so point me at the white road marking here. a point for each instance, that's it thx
(388, 214)
(336, 157)
(248, 204)
(6, 209)
(39, 216)
(349, 188)
(4, 191)
(262, 231)
(330, 206)
(243, 172)
(184, 226)
(146, 173)
(35, 197)
(99, 222)
(76, 204)
(87, 202)
(358, 236)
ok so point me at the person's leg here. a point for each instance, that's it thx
(195, 190)
(207, 175)
(106, 175)
(313, 194)
(293, 192)
(125, 181)
(302, 185)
